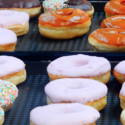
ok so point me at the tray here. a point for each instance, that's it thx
(33, 41)
(31, 92)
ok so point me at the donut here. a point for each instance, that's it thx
(8, 40)
(85, 91)
(32, 7)
(64, 23)
(50, 5)
(64, 114)
(80, 66)
(114, 7)
(12, 69)
(122, 117)
(108, 39)
(1, 116)
(119, 72)
(16, 21)
(122, 96)
(117, 22)
(8, 94)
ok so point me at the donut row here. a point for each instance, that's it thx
(112, 36)
(77, 80)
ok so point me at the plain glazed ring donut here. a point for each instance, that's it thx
(32, 7)
(64, 24)
(122, 117)
(8, 40)
(1, 116)
(80, 66)
(117, 22)
(12, 69)
(115, 7)
(108, 39)
(16, 21)
(122, 96)
(8, 94)
(64, 114)
(85, 91)
(119, 72)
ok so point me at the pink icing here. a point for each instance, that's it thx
(120, 67)
(75, 90)
(9, 18)
(64, 114)
(122, 91)
(79, 65)
(7, 36)
(10, 65)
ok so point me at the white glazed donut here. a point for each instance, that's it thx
(12, 69)
(8, 40)
(77, 90)
(64, 114)
(16, 21)
(122, 117)
(80, 66)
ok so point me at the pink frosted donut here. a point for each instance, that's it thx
(8, 40)
(64, 114)
(119, 72)
(16, 21)
(77, 90)
(80, 66)
(12, 69)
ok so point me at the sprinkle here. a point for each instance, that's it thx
(51, 5)
(27, 88)
(8, 93)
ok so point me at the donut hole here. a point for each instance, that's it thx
(80, 63)
(122, 3)
(6, 13)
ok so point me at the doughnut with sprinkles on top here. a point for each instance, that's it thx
(8, 94)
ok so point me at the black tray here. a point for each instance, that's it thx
(33, 41)
(31, 92)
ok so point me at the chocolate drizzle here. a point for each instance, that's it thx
(19, 3)
(79, 4)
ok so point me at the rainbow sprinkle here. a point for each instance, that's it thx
(51, 5)
(8, 93)
(1, 113)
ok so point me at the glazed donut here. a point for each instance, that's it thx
(8, 94)
(64, 24)
(12, 69)
(1, 116)
(119, 72)
(115, 7)
(50, 5)
(122, 117)
(122, 96)
(16, 21)
(117, 22)
(108, 39)
(8, 40)
(64, 114)
(32, 7)
(84, 91)
(80, 66)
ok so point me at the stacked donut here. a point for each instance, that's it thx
(111, 37)
(76, 93)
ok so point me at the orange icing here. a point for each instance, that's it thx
(115, 7)
(110, 36)
(64, 17)
(114, 22)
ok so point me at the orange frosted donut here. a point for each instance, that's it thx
(115, 7)
(117, 21)
(108, 39)
(64, 23)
